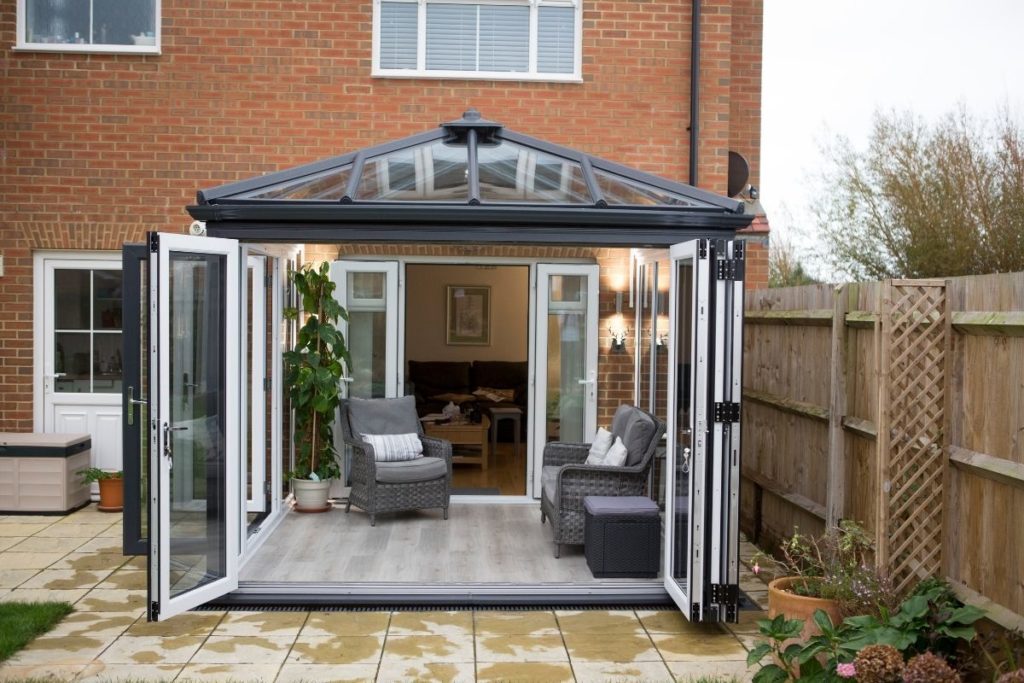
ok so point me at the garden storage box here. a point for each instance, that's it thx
(622, 536)
(39, 473)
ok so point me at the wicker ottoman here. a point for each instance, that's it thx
(622, 536)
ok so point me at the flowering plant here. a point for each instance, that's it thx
(834, 566)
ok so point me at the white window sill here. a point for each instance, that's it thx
(477, 75)
(88, 49)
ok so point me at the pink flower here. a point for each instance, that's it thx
(846, 670)
(756, 568)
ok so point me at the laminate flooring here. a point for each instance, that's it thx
(505, 472)
(480, 543)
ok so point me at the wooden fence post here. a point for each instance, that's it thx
(835, 490)
(882, 364)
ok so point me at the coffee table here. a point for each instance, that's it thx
(464, 434)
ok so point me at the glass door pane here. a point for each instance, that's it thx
(564, 400)
(369, 292)
(688, 320)
(197, 454)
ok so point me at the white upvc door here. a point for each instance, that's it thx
(369, 291)
(78, 366)
(701, 549)
(255, 380)
(563, 400)
(195, 448)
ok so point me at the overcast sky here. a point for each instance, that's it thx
(829, 64)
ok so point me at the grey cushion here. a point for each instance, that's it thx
(406, 471)
(639, 506)
(549, 482)
(621, 419)
(383, 416)
(637, 437)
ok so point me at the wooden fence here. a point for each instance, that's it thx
(899, 404)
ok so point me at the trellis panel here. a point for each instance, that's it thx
(913, 335)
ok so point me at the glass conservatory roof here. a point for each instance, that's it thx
(471, 162)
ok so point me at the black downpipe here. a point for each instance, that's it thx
(694, 89)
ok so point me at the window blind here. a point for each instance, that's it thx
(556, 39)
(451, 37)
(504, 38)
(398, 24)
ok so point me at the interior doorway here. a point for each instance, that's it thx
(467, 364)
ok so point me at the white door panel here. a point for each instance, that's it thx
(195, 398)
(563, 399)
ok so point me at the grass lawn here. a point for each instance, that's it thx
(20, 622)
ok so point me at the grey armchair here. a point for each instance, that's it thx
(393, 486)
(566, 480)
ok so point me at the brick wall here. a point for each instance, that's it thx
(98, 149)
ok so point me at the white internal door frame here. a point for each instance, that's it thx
(538, 401)
(395, 315)
(160, 464)
(44, 398)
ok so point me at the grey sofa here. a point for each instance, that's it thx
(393, 486)
(566, 480)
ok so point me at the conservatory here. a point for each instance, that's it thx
(532, 287)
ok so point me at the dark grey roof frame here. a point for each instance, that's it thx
(469, 181)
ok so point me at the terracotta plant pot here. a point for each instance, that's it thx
(311, 496)
(783, 601)
(111, 495)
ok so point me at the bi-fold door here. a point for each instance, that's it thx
(195, 449)
(701, 549)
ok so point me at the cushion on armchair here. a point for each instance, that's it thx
(383, 416)
(408, 471)
(636, 429)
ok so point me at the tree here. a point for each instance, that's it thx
(784, 266)
(927, 200)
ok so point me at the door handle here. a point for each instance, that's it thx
(586, 381)
(132, 402)
(168, 449)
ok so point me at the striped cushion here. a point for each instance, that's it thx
(395, 447)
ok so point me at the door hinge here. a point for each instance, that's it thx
(727, 411)
(725, 593)
(738, 249)
(695, 612)
(730, 269)
(266, 384)
(268, 281)
(266, 487)
(154, 242)
(702, 248)
(154, 611)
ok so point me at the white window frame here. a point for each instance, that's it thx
(22, 32)
(421, 71)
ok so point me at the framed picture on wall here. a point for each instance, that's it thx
(469, 315)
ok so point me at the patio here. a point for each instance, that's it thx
(77, 558)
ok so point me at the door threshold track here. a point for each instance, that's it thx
(410, 595)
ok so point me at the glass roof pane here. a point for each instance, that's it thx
(617, 190)
(513, 173)
(430, 172)
(327, 185)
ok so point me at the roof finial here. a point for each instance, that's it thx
(471, 114)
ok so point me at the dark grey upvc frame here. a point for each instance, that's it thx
(228, 213)
(134, 258)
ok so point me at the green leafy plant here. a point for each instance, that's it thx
(833, 566)
(91, 474)
(315, 368)
(814, 660)
(932, 619)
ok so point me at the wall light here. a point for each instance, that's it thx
(617, 329)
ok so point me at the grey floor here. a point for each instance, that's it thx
(480, 543)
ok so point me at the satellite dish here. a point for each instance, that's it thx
(739, 173)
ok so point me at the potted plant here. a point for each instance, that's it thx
(314, 372)
(111, 487)
(821, 573)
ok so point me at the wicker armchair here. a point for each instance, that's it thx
(566, 480)
(394, 486)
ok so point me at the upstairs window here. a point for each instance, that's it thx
(498, 39)
(89, 25)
